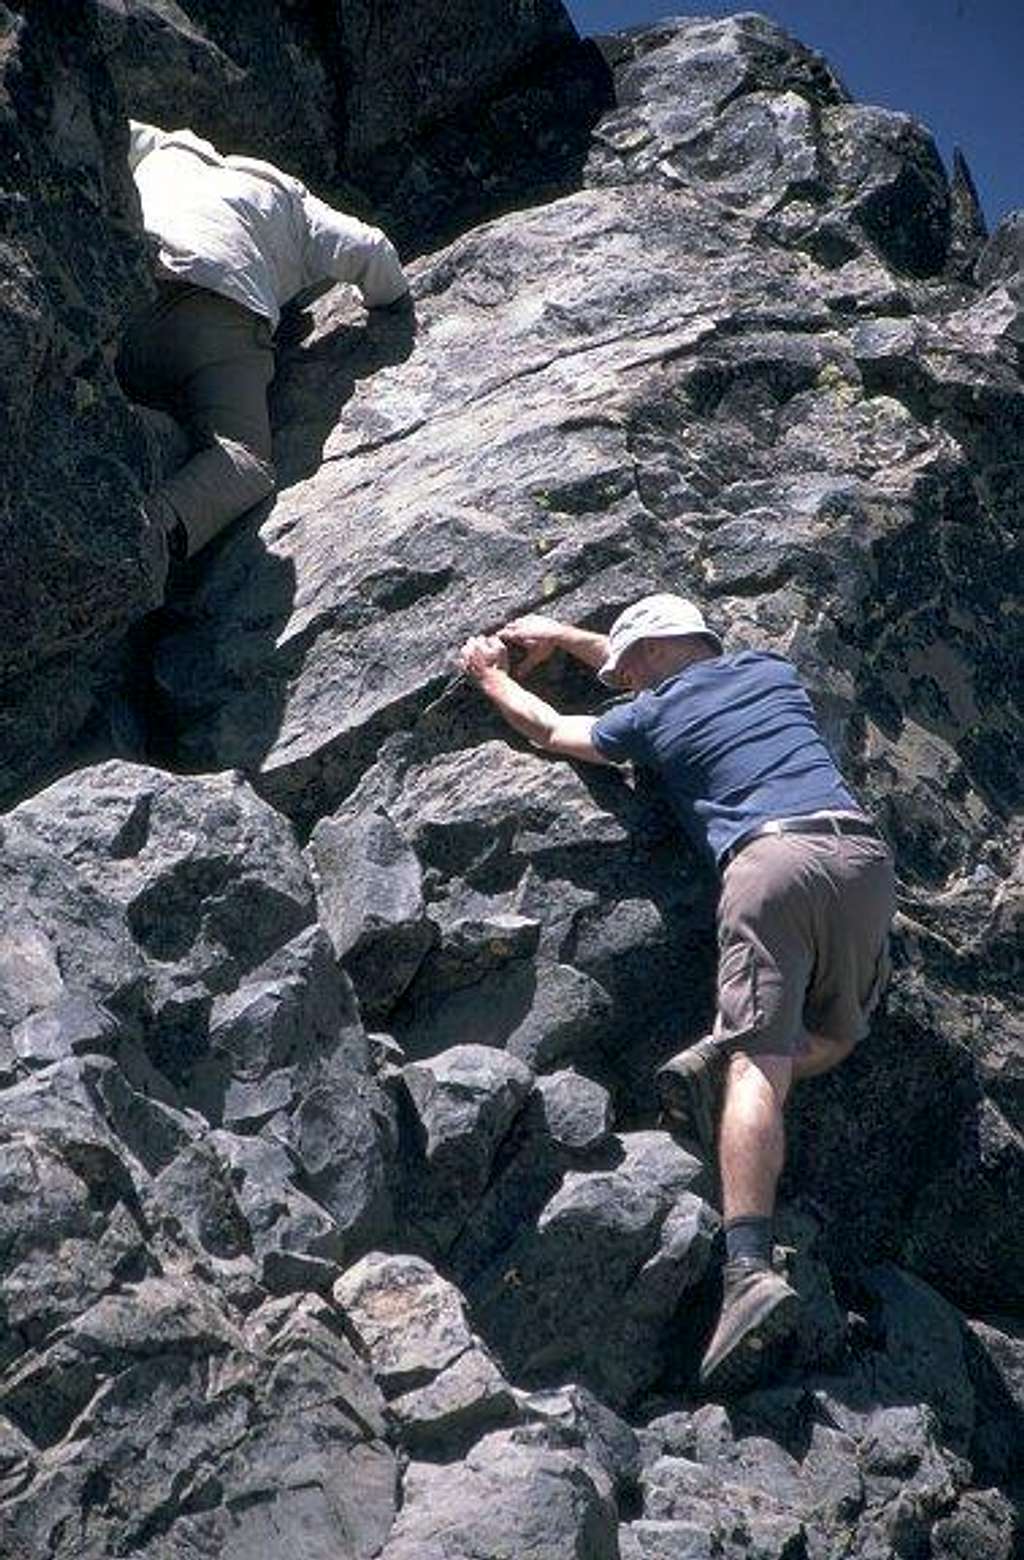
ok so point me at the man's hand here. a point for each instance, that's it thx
(536, 636)
(485, 659)
(481, 654)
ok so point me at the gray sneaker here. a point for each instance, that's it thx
(690, 1089)
(758, 1309)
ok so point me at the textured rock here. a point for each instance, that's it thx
(295, 1242)
(523, 134)
(564, 1125)
(573, 1418)
(117, 1304)
(370, 896)
(77, 567)
(342, 1138)
(1003, 256)
(995, 1356)
(811, 429)
(286, 1023)
(716, 1484)
(590, 1291)
(467, 1398)
(60, 939)
(464, 1101)
(207, 878)
(286, 1445)
(412, 1322)
(505, 1499)
(252, 80)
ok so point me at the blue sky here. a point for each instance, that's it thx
(954, 64)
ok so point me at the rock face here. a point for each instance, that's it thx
(332, 1174)
(252, 79)
(73, 460)
(406, 122)
(358, 94)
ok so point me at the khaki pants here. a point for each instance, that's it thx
(803, 937)
(208, 361)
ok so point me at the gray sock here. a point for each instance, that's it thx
(749, 1237)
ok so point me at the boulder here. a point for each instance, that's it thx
(370, 898)
(286, 1446)
(296, 1244)
(565, 1124)
(463, 1102)
(446, 1415)
(204, 879)
(505, 1498)
(590, 1289)
(412, 1322)
(288, 1023)
(443, 1387)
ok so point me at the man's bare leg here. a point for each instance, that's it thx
(751, 1138)
(758, 1306)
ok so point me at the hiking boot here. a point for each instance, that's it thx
(758, 1309)
(690, 1089)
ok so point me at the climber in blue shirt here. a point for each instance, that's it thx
(803, 917)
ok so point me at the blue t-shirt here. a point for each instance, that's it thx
(736, 743)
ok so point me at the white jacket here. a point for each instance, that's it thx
(243, 228)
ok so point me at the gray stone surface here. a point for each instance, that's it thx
(74, 460)
(466, 1399)
(1002, 259)
(589, 1291)
(885, 1485)
(464, 1101)
(251, 79)
(412, 1322)
(505, 1499)
(565, 1124)
(995, 1357)
(572, 1417)
(207, 878)
(370, 897)
(112, 1322)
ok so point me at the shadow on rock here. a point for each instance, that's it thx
(185, 658)
(314, 382)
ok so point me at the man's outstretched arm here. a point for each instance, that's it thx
(485, 659)
(537, 636)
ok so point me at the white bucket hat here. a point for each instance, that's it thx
(653, 617)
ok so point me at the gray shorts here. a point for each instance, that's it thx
(803, 939)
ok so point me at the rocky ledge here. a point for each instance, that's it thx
(337, 1220)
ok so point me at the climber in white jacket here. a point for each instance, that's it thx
(237, 239)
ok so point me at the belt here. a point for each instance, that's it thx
(828, 823)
